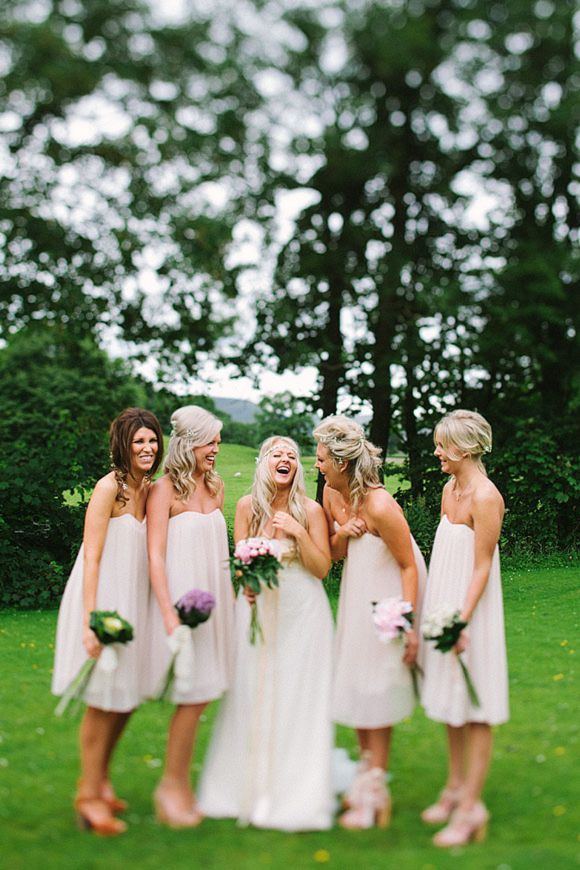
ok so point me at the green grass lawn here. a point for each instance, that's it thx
(532, 791)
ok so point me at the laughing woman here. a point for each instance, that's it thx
(464, 573)
(373, 687)
(188, 548)
(269, 760)
(110, 573)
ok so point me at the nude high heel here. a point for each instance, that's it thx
(373, 805)
(172, 817)
(440, 812)
(353, 796)
(465, 825)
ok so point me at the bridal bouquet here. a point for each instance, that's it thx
(255, 563)
(442, 624)
(193, 608)
(110, 629)
(392, 617)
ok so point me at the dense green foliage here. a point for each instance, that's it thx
(434, 149)
(58, 400)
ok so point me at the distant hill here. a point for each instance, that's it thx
(240, 410)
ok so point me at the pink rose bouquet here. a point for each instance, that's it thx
(255, 563)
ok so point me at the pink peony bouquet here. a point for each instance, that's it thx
(392, 617)
(255, 564)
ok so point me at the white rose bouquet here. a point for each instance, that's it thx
(443, 625)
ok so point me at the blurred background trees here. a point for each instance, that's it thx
(430, 150)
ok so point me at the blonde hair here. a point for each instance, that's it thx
(191, 426)
(345, 441)
(468, 432)
(264, 488)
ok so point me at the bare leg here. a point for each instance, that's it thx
(96, 736)
(368, 798)
(457, 742)
(376, 742)
(480, 743)
(174, 795)
(121, 720)
(450, 796)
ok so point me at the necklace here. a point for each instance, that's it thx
(460, 492)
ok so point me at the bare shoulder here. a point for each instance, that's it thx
(244, 505)
(102, 501)
(163, 485)
(486, 496)
(107, 485)
(378, 501)
(331, 497)
(312, 508)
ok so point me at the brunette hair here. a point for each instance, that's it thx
(121, 434)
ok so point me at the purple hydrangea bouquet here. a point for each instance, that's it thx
(193, 608)
(255, 564)
(110, 629)
(392, 618)
(443, 625)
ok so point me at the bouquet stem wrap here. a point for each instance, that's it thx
(112, 631)
(193, 608)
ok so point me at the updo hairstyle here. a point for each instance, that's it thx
(345, 441)
(191, 426)
(464, 433)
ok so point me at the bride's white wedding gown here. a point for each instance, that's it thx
(269, 760)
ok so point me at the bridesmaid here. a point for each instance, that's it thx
(188, 548)
(269, 759)
(372, 685)
(110, 573)
(464, 572)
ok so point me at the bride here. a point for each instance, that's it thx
(268, 763)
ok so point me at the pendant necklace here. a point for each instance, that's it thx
(460, 492)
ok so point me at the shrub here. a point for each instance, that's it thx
(58, 400)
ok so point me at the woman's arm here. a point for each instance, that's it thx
(97, 518)
(242, 518)
(158, 509)
(313, 543)
(487, 514)
(387, 518)
(352, 528)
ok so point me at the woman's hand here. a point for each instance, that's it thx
(172, 621)
(353, 528)
(91, 643)
(411, 647)
(250, 595)
(462, 643)
(283, 521)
